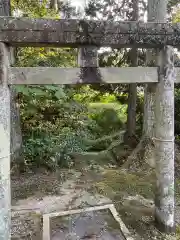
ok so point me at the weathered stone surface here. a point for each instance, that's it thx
(159, 122)
(88, 57)
(89, 225)
(43, 75)
(5, 136)
(4, 7)
(16, 136)
(68, 32)
(88, 61)
(164, 142)
(5, 190)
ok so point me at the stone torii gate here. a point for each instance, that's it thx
(23, 32)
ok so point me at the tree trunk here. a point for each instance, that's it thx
(157, 13)
(131, 111)
(16, 135)
(132, 95)
(131, 118)
(164, 142)
(5, 132)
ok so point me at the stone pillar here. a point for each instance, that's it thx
(16, 134)
(157, 12)
(164, 142)
(88, 62)
(5, 190)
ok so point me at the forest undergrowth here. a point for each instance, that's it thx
(67, 131)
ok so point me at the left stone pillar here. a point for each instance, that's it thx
(5, 139)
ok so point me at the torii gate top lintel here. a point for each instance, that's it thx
(75, 33)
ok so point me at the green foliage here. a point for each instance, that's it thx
(107, 98)
(45, 57)
(176, 17)
(33, 8)
(58, 120)
(53, 125)
(86, 94)
(108, 117)
(53, 150)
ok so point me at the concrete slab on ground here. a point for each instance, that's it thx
(98, 222)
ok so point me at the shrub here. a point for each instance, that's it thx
(107, 119)
(53, 125)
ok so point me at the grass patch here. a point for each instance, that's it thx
(116, 183)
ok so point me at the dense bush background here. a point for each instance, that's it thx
(59, 120)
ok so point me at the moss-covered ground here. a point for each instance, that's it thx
(117, 185)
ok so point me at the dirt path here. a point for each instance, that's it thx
(70, 194)
(35, 194)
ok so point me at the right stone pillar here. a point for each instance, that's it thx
(164, 142)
